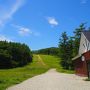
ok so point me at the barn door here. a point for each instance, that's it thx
(89, 69)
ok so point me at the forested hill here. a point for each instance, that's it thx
(47, 51)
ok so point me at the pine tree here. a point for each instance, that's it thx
(70, 53)
(63, 50)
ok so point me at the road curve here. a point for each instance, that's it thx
(52, 80)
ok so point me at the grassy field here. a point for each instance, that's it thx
(54, 62)
(40, 64)
(14, 76)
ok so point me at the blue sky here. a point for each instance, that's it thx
(39, 23)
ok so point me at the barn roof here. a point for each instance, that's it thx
(87, 35)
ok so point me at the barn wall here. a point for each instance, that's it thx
(80, 67)
(87, 56)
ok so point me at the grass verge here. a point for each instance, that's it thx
(87, 79)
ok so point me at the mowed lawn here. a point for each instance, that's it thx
(40, 64)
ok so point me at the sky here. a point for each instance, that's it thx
(40, 23)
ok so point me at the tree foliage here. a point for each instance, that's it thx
(14, 54)
(69, 47)
(65, 48)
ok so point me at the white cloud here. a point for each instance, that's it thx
(52, 21)
(4, 38)
(84, 1)
(24, 31)
(9, 12)
(15, 7)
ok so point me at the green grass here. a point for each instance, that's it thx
(10, 77)
(54, 62)
(87, 79)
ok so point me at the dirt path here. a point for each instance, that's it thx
(52, 80)
(40, 59)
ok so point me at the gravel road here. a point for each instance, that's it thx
(52, 80)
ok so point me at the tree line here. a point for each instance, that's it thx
(14, 54)
(69, 46)
(47, 51)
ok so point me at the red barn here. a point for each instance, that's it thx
(82, 60)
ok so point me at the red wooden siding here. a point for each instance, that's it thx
(87, 56)
(81, 66)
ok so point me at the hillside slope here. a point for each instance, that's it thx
(40, 64)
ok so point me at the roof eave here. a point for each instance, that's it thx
(76, 57)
